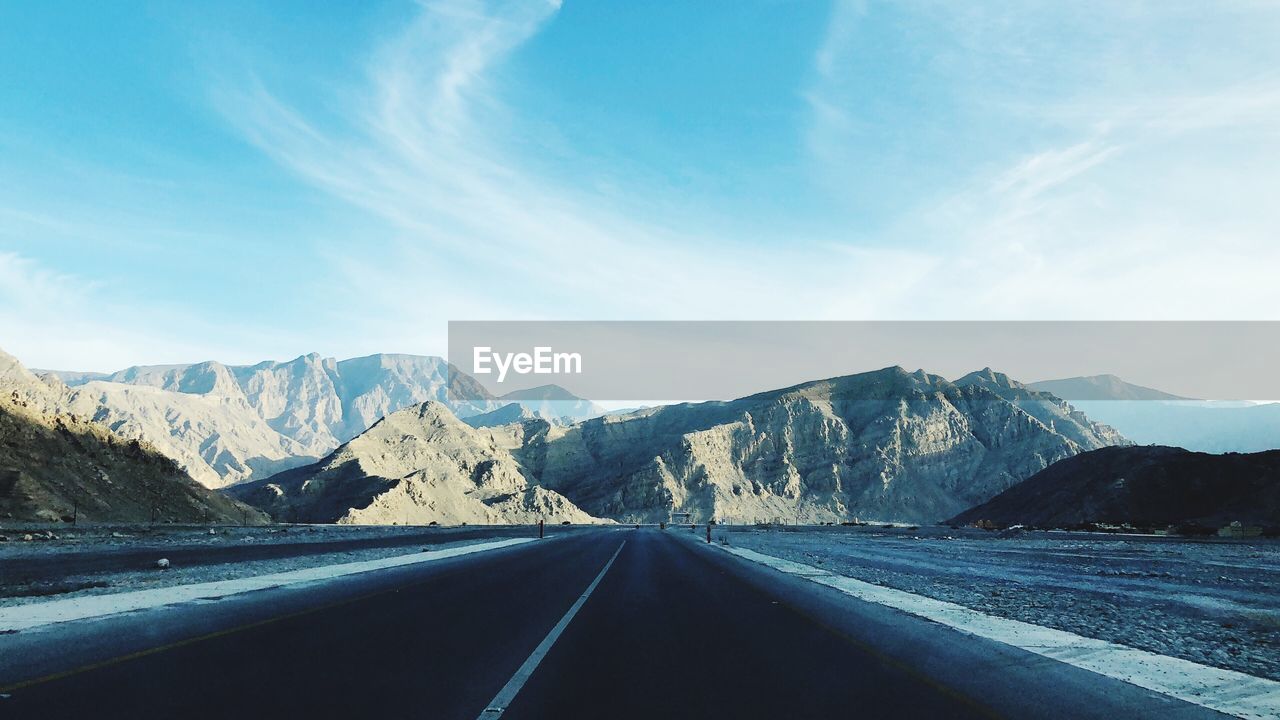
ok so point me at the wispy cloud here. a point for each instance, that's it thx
(475, 231)
(57, 320)
(1130, 191)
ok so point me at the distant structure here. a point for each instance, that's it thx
(1238, 530)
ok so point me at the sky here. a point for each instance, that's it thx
(246, 181)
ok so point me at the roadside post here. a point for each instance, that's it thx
(708, 532)
(540, 530)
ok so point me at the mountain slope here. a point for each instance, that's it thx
(885, 445)
(554, 403)
(505, 415)
(218, 440)
(226, 424)
(1045, 406)
(417, 465)
(1100, 387)
(1144, 486)
(55, 464)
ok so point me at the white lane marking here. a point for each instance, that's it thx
(1226, 691)
(23, 617)
(499, 704)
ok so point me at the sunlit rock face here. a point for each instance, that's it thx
(887, 445)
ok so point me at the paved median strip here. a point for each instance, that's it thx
(25, 617)
(1226, 691)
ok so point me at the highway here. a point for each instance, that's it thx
(617, 623)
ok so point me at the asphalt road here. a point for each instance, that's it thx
(670, 629)
(142, 554)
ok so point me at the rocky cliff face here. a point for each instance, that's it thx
(415, 466)
(886, 445)
(227, 424)
(315, 402)
(56, 464)
(217, 439)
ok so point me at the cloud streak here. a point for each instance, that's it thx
(429, 153)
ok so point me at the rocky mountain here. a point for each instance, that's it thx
(505, 415)
(227, 423)
(885, 445)
(316, 402)
(1049, 409)
(554, 403)
(217, 439)
(415, 466)
(1100, 387)
(1143, 486)
(55, 465)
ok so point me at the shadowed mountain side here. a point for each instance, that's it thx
(55, 466)
(1143, 486)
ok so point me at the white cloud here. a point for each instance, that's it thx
(1145, 197)
(477, 233)
(55, 320)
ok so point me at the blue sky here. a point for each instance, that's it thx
(241, 181)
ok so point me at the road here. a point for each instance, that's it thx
(142, 553)
(619, 623)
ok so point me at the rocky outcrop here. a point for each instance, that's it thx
(219, 440)
(415, 466)
(57, 465)
(885, 445)
(505, 415)
(226, 424)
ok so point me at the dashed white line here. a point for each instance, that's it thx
(499, 704)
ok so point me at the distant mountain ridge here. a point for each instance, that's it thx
(1153, 417)
(56, 465)
(1144, 486)
(229, 423)
(1100, 387)
(884, 445)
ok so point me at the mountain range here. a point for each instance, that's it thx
(886, 445)
(226, 423)
(57, 466)
(376, 440)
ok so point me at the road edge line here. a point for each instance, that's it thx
(18, 618)
(1227, 691)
